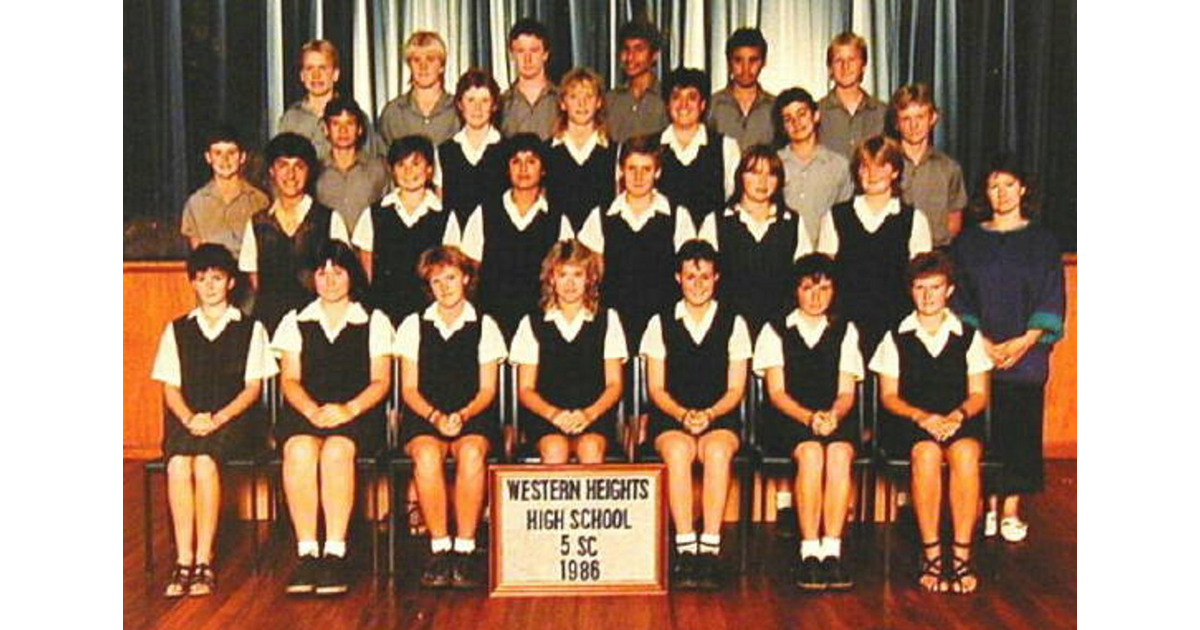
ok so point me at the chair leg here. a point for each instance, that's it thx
(393, 521)
(254, 516)
(148, 518)
(372, 515)
(887, 531)
(746, 497)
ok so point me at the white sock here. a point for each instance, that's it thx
(710, 543)
(685, 543)
(308, 548)
(810, 549)
(335, 548)
(783, 500)
(831, 547)
(464, 545)
(439, 545)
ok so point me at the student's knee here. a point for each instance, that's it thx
(301, 449)
(179, 467)
(926, 457)
(205, 468)
(676, 448)
(809, 457)
(338, 451)
(471, 454)
(554, 449)
(719, 449)
(838, 457)
(426, 455)
(591, 448)
(964, 456)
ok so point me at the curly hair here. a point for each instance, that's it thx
(440, 256)
(572, 252)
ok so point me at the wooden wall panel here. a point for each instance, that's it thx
(1060, 437)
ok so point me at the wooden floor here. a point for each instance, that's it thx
(1034, 586)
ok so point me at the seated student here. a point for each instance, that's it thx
(933, 380)
(696, 357)
(1011, 288)
(817, 177)
(425, 109)
(742, 110)
(812, 362)
(350, 180)
(211, 363)
(336, 373)
(697, 164)
(933, 181)
(470, 165)
(510, 234)
(581, 162)
(638, 236)
(278, 245)
(636, 108)
(393, 234)
(319, 72)
(530, 104)
(218, 211)
(872, 238)
(849, 115)
(449, 365)
(759, 239)
(569, 355)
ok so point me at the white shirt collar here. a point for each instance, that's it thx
(355, 314)
(568, 330)
(860, 206)
(467, 314)
(699, 329)
(620, 207)
(302, 208)
(758, 229)
(689, 153)
(581, 154)
(429, 203)
(473, 154)
(936, 341)
(231, 314)
(514, 215)
(809, 332)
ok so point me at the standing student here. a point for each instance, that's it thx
(350, 180)
(636, 108)
(933, 181)
(872, 238)
(392, 235)
(470, 166)
(336, 373)
(449, 365)
(812, 363)
(569, 353)
(849, 115)
(218, 211)
(278, 245)
(759, 239)
(211, 363)
(933, 380)
(510, 234)
(425, 109)
(638, 235)
(817, 177)
(581, 160)
(319, 73)
(696, 359)
(742, 110)
(697, 164)
(1011, 288)
(530, 105)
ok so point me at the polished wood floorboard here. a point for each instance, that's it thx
(1033, 586)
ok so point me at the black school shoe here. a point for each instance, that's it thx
(708, 571)
(304, 578)
(809, 573)
(437, 570)
(466, 571)
(331, 576)
(836, 576)
(683, 571)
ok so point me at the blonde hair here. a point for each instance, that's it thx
(577, 76)
(322, 46)
(574, 253)
(424, 39)
(440, 256)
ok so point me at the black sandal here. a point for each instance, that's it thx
(932, 567)
(204, 580)
(962, 568)
(180, 581)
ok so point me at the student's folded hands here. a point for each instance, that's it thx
(332, 415)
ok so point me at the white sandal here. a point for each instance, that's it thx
(990, 524)
(1013, 529)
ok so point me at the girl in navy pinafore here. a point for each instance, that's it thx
(581, 163)
(470, 165)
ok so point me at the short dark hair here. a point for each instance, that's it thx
(211, 256)
(529, 26)
(750, 158)
(477, 78)
(647, 144)
(339, 254)
(1005, 161)
(525, 142)
(640, 29)
(403, 147)
(288, 144)
(344, 104)
(746, 37)
(934, 263)
(785, 98)
(878, 149)
(816, 266)
(681, 77)
(224, 132)
(697, 250)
